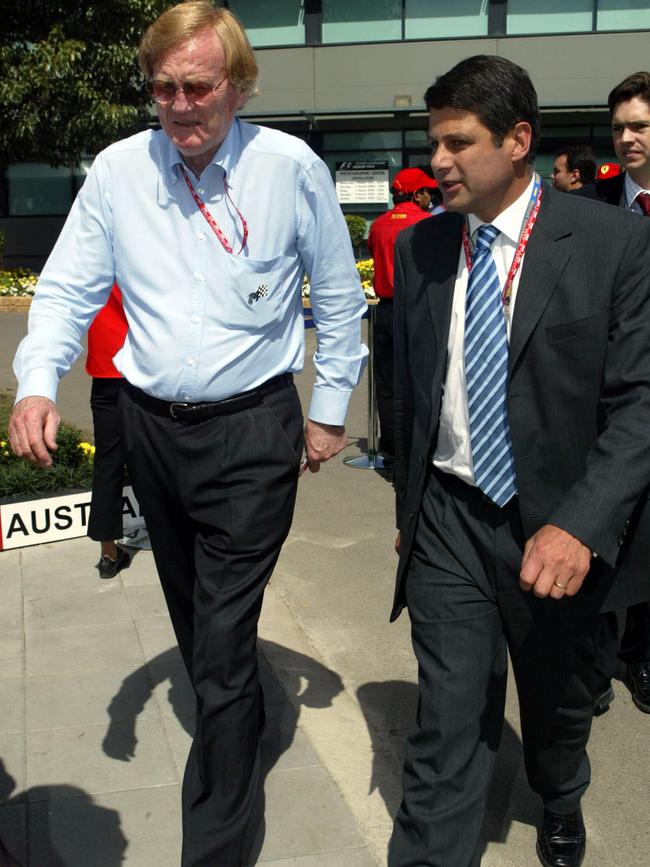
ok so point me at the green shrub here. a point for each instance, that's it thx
(357, 230)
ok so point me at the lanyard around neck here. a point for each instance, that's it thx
(210, 219)
(532, 209)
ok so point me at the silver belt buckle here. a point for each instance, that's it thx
(172, 408)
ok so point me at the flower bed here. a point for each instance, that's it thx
(366, 270)
(17, 283)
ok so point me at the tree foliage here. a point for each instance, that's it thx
(69, 78)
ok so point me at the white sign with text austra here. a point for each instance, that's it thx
(52, 519)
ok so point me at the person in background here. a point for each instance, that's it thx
(574, 170)
(105, 338)
(627, 639)
(208, 226)
(412, 191)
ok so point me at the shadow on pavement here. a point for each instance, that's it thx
(389, 708)
(309, 683)
(66, 828)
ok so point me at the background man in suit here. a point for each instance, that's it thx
(574, 170)
(412, 191)
(521, 456)
(629, 106)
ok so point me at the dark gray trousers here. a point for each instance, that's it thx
(218, 499)
(467, 611)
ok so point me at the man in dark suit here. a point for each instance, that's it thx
(521, 463)
(574, 170)
(629, 107)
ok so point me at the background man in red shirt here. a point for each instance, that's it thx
(413, 194)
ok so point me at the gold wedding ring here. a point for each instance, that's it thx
(560, 586)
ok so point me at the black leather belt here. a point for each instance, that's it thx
(194, 413)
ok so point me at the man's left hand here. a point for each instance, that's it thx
(554, 563)
(322, 442)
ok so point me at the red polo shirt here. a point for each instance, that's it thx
(105, 336)
(381, 242)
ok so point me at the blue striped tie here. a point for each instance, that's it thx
(486, 375)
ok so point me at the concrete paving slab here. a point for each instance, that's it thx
(142, 571)
(178, 731)
(12, 705)
(12, 654)
(49, 569)
(304, 815)
(104, 603)
(284, 745)
(340, 858)
(133, 828)
(11, 596)
(126, 755)
(146, 602)
(86, 698)
(13, 767)
(157, 637)
(83, 648)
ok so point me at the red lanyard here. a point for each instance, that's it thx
(210, 219)
(530, 216)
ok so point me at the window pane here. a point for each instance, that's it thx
(434, 19)
(272, 22)
(361, 20)
(361, 140)
(417, 138)
(623, 15)
(38, 189)
(549, 16)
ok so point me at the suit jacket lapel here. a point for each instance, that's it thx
(547, 254)
(440, 276)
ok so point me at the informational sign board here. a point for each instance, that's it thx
(51, 519)
(360, 183)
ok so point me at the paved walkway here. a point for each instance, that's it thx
(94, 704)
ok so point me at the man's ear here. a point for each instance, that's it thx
(522, 135)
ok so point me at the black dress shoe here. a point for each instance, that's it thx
(109, 568)
(603, 701)
(637, 680)
(562, 839)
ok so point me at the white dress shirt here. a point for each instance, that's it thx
(204, 324)
(453, 452)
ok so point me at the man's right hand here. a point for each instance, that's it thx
(32, 430)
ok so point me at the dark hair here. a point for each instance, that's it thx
(582, 158)
(637, 84)
(497, 91)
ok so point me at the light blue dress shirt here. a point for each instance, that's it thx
(204, 324)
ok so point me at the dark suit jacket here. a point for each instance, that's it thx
(579, 379)
(612, 190)
(586, 191)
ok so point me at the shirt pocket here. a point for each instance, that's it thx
(256, 290)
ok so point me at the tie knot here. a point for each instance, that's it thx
(644, 201)
(485, 238)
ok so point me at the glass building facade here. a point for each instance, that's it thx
(349, 78)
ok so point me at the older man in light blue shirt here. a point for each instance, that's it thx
(208, 226)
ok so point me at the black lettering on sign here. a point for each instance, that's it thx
(83, 508)
(127, 508)
(44, 529)
(17, 525)
(63, 518)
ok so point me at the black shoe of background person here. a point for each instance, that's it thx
(562, 839)
(109, 568)
(637, 680)
(603, 700)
